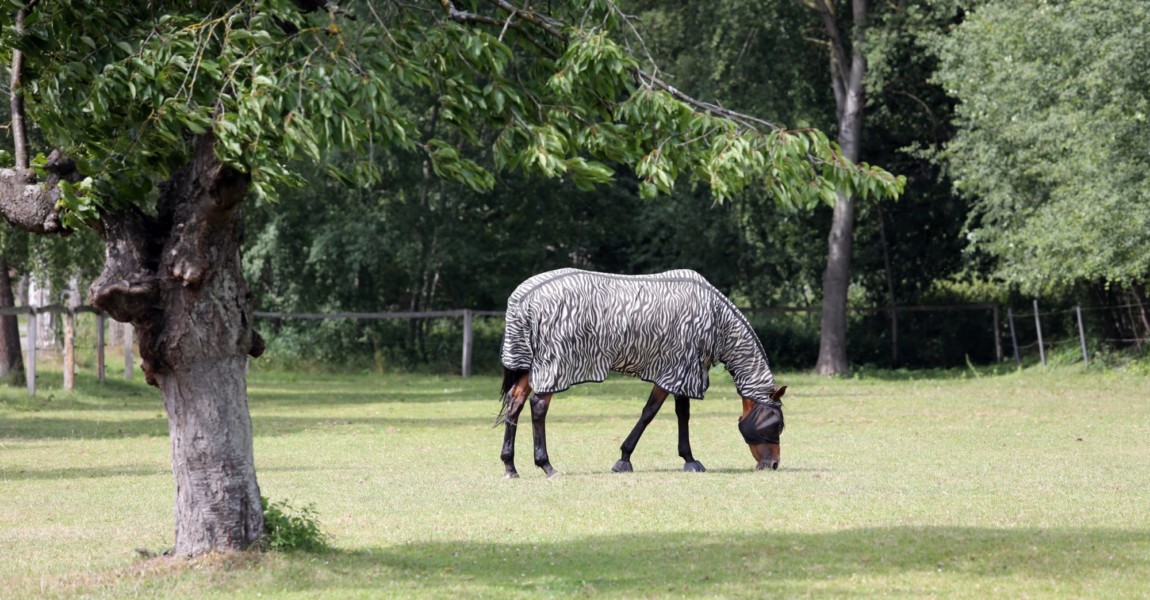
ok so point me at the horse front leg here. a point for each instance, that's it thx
(516, 400)
(539, 405)
(654, 403)
(683, 412)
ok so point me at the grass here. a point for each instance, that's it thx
(1029, 483)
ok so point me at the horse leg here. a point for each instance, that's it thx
(683, 412)
(539, 405)
(515, 402)
(654, 403)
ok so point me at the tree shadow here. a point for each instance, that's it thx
(49, 427)
(40, 474)
(699, 562)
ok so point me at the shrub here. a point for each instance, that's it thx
(288, 529)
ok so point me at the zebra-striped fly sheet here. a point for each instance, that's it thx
(571, 326)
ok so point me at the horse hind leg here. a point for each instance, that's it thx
(517, 397)
(539, 405)
(654, 403)
(683, 412)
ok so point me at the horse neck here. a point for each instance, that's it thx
(746, 360)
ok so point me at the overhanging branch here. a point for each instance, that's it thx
(554, 28)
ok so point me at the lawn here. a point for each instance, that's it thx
(1030, 483)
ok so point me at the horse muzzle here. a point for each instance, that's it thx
(766, 456)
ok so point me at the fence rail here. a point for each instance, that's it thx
(467, 315)
(33, 312)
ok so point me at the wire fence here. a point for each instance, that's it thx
(900, 328)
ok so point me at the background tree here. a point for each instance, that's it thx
(1053, 145)
(164, 121)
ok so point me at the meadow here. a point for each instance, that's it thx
(972, 483)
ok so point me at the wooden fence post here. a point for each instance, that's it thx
(100, 347)
(1082, 337)
(127, 335)
(997, 335)
(31, 362)
(467, 336)
(1013, 337)
(69, 349)
(893, 336)
(1038, 326)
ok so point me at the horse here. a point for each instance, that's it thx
(571, 326)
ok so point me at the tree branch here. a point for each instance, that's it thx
(16, 88)
(463, 16)
(838, 52)
(31, 205)
(554, 28)
(24, 202)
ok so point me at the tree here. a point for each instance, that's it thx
(164, 122)
(848, 70)
(1052, 144)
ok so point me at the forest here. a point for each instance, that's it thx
(1023, 150)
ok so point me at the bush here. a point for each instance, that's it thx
(287, 529)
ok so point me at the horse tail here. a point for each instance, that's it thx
(510, 378)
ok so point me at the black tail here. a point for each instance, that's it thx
(510, 378)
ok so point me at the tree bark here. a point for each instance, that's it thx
(847, 72)
(11, 359)
(176, 277)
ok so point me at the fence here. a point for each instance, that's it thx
(467, 315)
(991, 334)
(467, 337)
(1073, 327)
(33, 313)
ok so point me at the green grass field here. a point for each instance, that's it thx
(1021, 484)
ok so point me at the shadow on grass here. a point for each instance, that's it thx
(956, 373)
(654, 564)
(48, 427)
(73, 473)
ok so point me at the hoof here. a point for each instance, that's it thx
(511, 475)
(694, 467)
(554, 475)
(623, 466)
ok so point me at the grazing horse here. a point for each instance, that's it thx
(569, 326)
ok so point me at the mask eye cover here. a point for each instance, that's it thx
(762, 425)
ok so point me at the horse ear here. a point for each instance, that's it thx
(778, 393)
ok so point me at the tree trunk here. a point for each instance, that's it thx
(11, 360)
(836, 284)
(847, 79)
(176, 277)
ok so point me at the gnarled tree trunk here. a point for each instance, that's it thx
(176, 277)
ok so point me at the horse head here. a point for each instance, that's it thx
(761, 425)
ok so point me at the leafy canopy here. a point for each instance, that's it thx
(1053, 139)
(124, 89)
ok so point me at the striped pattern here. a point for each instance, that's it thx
(571, 326)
